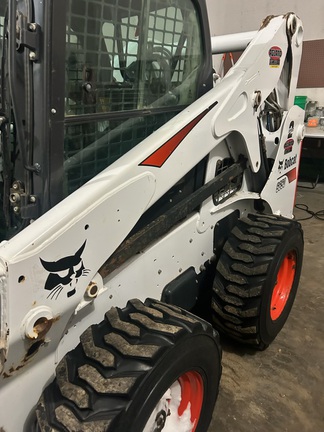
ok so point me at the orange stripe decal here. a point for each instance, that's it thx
(159, 157)
(292, 175)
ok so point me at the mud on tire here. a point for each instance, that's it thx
(257, 277)
(116, 376)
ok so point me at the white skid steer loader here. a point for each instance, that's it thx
(144, 207)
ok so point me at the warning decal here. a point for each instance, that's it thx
(275, 54)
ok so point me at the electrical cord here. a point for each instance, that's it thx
(317, 215)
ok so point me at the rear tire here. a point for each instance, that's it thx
(122, 374)
(257, 278)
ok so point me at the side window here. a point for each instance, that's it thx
(122, 57)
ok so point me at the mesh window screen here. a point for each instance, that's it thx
(86, 157)
(124, 56)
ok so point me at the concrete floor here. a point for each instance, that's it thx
(282, 388)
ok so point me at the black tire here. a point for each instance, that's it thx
(251, 299)
(114, 379)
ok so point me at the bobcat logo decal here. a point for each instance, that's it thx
(64, 274)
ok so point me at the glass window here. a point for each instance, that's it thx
(124, 56)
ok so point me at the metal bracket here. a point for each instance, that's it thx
(28, 36)
(22, 204)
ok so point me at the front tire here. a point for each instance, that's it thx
(128, 373)
(257, 278)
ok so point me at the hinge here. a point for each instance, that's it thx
(24, 205)
(28, 36)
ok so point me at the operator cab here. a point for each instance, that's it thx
(102, 76)
(123, 58)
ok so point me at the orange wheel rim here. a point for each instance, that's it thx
(192, 391)
(284, 283)
(180, 407)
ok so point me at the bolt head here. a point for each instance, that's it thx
(32, 27)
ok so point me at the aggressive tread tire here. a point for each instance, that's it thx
(247, 274)
(114, 378)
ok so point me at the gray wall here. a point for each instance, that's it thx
(233, 16)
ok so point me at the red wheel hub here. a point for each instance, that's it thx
(192, 390)
(284, 283)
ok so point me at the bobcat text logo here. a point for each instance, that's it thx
(290, 161)
(64, 274)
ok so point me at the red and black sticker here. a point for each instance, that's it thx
(288, 146)
(275, 54)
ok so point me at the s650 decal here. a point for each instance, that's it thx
(290, 176)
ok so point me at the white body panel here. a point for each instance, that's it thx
(103, 212)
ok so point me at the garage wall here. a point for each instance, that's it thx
(233, 16)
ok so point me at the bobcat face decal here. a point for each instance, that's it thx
(64, 274)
